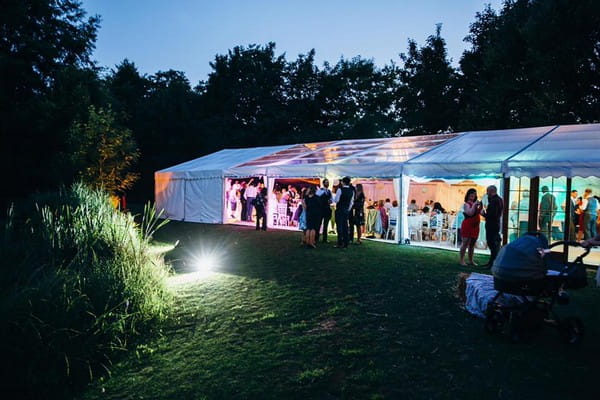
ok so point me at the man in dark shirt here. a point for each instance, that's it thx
(344, 199)
(493, 220)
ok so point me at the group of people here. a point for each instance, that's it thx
(584, 215)
(252, 197)
(430, 206)
(316, 211)
(469, 229)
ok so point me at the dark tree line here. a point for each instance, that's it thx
(533, 62)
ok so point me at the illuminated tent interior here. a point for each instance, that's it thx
(195, 190)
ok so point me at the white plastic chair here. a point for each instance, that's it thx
(391, 227)
(415, 227)
(451, 231)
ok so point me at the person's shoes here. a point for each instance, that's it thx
(486, 265)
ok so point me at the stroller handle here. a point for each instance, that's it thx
(571, 243)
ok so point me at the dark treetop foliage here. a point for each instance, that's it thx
(428, 95)
(535, 62)
(530, 63)
(45, 49)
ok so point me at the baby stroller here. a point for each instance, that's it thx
(537, 278)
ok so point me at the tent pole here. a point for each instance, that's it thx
(534, 193)
(568, 222)
(505, 196)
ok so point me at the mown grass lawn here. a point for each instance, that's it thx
(373, 321)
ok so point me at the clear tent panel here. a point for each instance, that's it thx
(352, 151)
(568, 150)
(287, 154)
(570, 142)
(485, 145)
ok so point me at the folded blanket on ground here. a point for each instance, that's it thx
(480, 291)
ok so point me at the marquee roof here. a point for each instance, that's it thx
(558, 150)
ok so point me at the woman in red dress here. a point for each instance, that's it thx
(469, 229)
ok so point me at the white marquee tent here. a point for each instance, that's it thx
(193, 191)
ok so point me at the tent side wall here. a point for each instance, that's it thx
(204, 200)
(191, 199)
(169, 195)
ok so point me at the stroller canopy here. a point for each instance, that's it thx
(520, 260)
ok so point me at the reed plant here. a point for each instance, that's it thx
(78, 282)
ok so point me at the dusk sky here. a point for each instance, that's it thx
(186, 35)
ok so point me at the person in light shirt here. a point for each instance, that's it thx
(388, 204)
(413, 207)
(251, 192)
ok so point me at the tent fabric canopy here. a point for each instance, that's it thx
(568, 150)
(558, 150)
(473, 154)
(212, 165)
(377, 158)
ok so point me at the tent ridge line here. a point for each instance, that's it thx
(436, 147)
(532, 143)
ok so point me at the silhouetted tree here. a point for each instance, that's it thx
(428, 92)
(42, 44)
(533, 63)
(103, 153)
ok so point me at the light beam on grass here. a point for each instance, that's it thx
(203, 262)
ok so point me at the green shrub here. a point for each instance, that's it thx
(78, 281)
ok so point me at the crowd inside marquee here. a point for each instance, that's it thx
(375, 211)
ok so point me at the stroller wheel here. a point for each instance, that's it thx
(571, 330)
(517, 329)
(494, 321)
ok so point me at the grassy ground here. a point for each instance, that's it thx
(372, 321)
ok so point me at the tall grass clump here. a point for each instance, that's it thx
(78, 281)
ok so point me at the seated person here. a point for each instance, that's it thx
(384, 216)
(413, 207)
(437, 207)
(395, 210)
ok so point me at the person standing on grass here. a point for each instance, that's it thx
(312, 207)
(357, 217)
(302, 216)
(493, 220)
(344, 199)
(470, 226)
(260, 204)
(326, 199)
